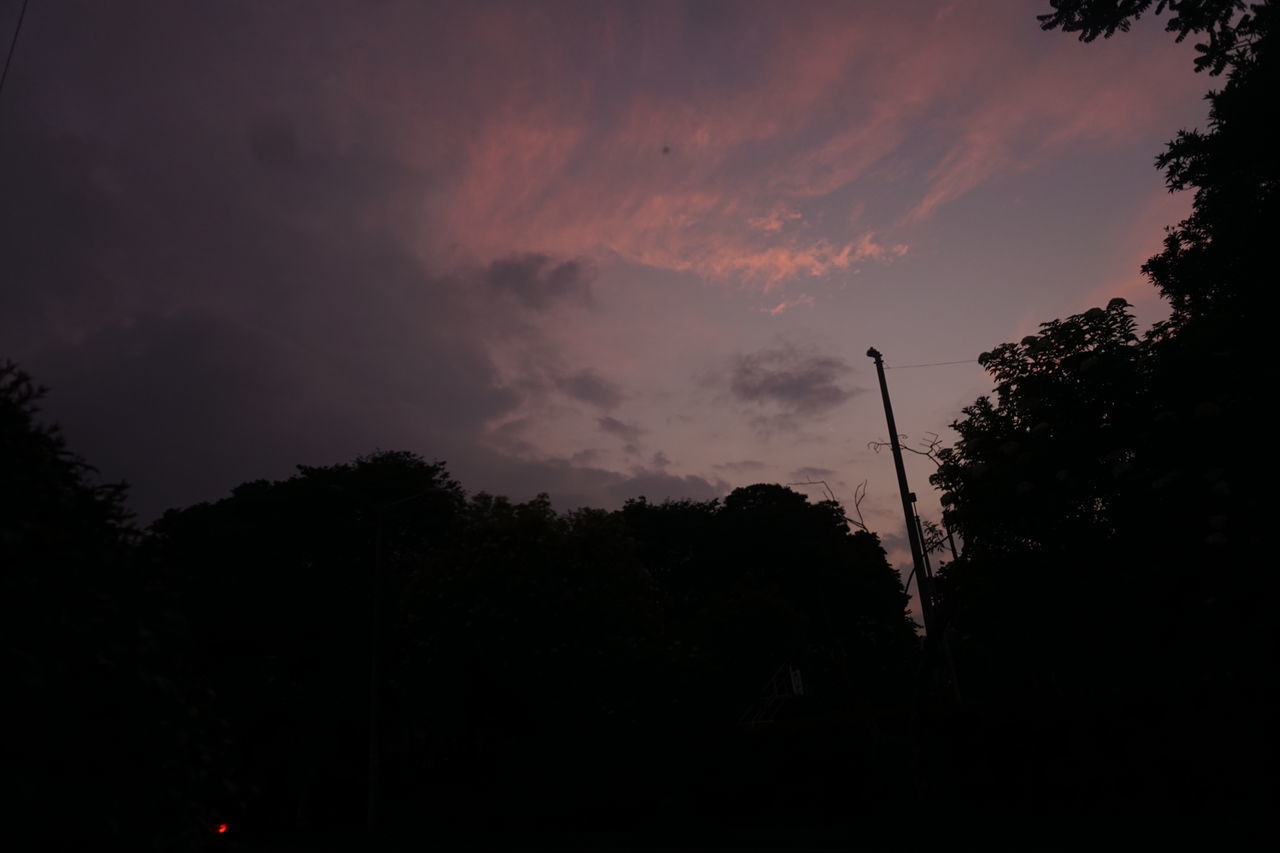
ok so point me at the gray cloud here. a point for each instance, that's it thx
(508, 437)
(658, 486)
(792, 381)
(895, 542)
(273, 142)
(540, 281)
(590, 387)
(217, 287)
(586, 456)
(741, 467)
(200, 327)
(808, 473)
(629, 433)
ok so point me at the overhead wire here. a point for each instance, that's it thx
(22, 13)
(931, 364)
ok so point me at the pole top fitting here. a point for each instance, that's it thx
(874, 353)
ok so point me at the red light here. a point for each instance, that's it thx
(222, 827)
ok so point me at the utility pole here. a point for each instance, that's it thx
(924, 585)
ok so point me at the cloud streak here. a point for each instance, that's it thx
(740, 180)
(590, 387)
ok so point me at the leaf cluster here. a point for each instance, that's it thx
(1229, 26)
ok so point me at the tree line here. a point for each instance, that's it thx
(536, 669)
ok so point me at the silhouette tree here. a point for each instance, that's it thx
(1207, 363)
(1106, 598)
(1230, 30)
(108, 741)
(532, 668)
(1040, 485)
(1038, 468)
(276, 581)
(1092, 617)
(756, 585)
(541, 669)
(1216, 262)
(765, 578)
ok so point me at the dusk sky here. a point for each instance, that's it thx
(596, 249)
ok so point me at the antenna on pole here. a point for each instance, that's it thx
(924, 582)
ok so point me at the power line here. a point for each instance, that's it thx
(932, 364)
(22, 13)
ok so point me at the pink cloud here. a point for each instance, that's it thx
(777, 219)
(732, 148)
(1062, 103)
(787, 304)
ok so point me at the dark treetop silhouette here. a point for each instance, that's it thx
(1110, 600)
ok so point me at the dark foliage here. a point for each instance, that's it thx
(538, 669)
(277, 583)
(1108, 613)
(108, 741)
(1227, 28)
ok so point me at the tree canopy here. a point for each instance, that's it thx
(1215, 263)
(107, 736)
(1111, 524)
(513, 634)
